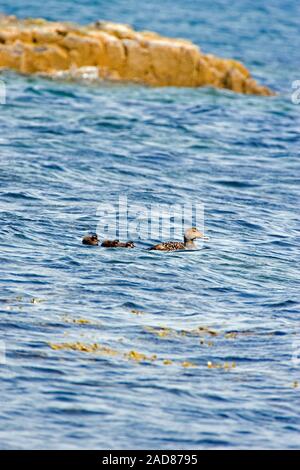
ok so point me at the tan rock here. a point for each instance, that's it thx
(119, 53)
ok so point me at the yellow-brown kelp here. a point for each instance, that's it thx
(117, 52)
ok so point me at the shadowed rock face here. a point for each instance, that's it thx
(116, 52)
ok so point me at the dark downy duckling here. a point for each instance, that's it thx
(117, 244)
(190, 236)
(91, 239)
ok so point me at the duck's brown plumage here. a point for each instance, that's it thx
(117, 244)
(91, 239)
(190, 236)
(168, 246)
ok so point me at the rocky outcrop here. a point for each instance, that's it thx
(117, 52)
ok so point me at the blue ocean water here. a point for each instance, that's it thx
(67, 147)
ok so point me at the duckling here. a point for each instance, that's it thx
(91, 239)
(190, 236)
(117, 244)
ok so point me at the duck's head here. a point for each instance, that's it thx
(192, 233)
(91, 239)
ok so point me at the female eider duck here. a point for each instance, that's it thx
(190, 236)
(91, 239)
(117, 244)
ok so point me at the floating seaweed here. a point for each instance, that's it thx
(79, 321)
(137, 312)
(138, 357)
(187, 364)
(161, 332)
(96, 348)
(167, 362)
(36, 300)
(225, 366)
(88, 348)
